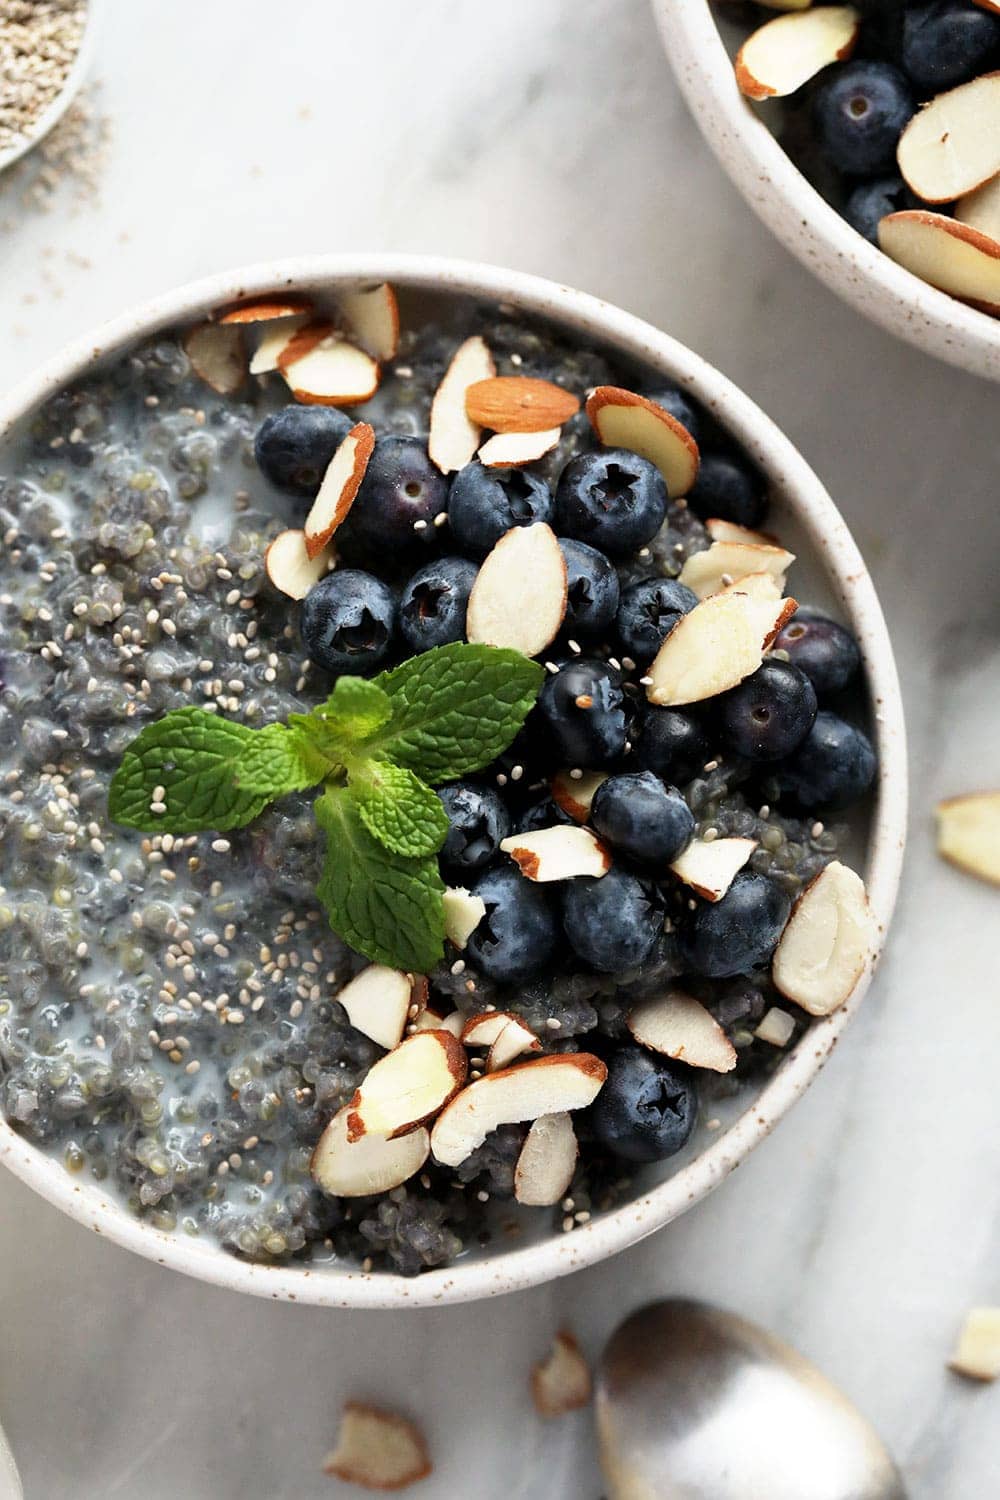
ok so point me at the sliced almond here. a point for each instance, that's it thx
(378, 1003)
(453, 1024)
(339, 488)
(714, 646)
(519, 404)
(708, 572)
(378, 1449)
(528, 1090)
(968, 833)
(728, 531)
(547, 1162)
(980, 209)
(357, 1169)
(680, 1027)
(265, 309)
(992, 5)
(783, 54)
(755, 585)
(977, 1353)
(514, 1040)
(274, 339)
(777, 1027)
(559, 853)
(427, 1020)
(575, 794)
(561, 1382)
(217, 356)
(454, 437)
(519, 596)
(952, 145)
(512, 450)
(322, 369)
(622, 419)
(951, 256)
(463, 913)
(372, 314)
(290, 568)
(709, 866)
(827, 942)
(408, 1086)
(482, 1029)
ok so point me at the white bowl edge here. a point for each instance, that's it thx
(835, 549)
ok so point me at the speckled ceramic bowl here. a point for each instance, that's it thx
(829, 571)
(700, 50)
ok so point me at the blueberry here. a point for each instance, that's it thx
(947, 43)
(519, 933)
(641, 818)
(401, 488)
(612, 921)
(769, 714)
(648, 612)
(592, 590)
(583, 705)
(647, 1107)
(477, 821)
(486, 503)
(738, 933)
(871, 201)
(679, 406)
(860, 111)
(826, 652)
(833, 767)
(543, 813)
(729, 488)
(613, 499)
(294, 446)
(348, 622)
(672, 743)
(433, 604)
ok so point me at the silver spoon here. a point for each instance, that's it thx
(697, 1404)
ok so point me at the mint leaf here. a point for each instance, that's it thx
(387, 907)
(398, 808)
(215, 774)
(356, 708)
(456, 708)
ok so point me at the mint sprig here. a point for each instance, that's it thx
(376, 747)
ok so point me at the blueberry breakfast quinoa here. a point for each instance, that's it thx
(395, 840)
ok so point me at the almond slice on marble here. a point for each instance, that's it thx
(339, 488)
(714, 646)
(621, 419)
(372, 315)
(559, 853)
(265, 309)
(514, 1040)
(575, 794)
(755, 585)
(980, 209)
(519, 596)
(952, 145)
(217, 356)
(321, 368)
(777, 1027)
(680, 1027)
(709, 866)
(827, 942)
(356, 1169)
(463, 913)
(274, 340)
(377, 1001)
(526, 1091)
(710, 571)
(546, 1162)
(953, 257)
(512, 450)
(408, 1086)
(561, 1382)
(728, 531)
(968, 833)
(377, 1449)
(783, 54)
(454, 437)
(519, 404)
(977, 1353)
(290, 568)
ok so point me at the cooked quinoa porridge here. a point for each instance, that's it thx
(619, 881)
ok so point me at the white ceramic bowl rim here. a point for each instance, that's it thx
(800, 216)
(611, 1232)
(51, 116)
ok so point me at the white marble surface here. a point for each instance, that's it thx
(550, 136)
